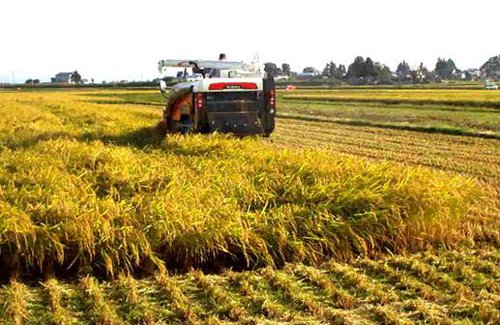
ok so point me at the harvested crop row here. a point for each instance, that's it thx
(423, 97)
(474, 157)
(370, 291)
(477, 158)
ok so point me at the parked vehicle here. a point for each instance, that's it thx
(490, 85)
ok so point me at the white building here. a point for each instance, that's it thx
(62, 78)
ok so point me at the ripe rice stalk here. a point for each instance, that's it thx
(97, 307)
(401, 281)
(83, 191)
(15, 309)
(462, 273)
(220, 298)
(180, 303)
(304, 299)
(251, 287)
(361, 283)
(384, 314)
(432, 276)
(137, 310)
(475, 312)
(482, 261)
(428, 312)
(56, 293)
(340, 297)
(339, 219)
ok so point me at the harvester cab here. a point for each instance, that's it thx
(222, 96)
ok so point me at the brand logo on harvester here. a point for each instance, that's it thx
(233, 85)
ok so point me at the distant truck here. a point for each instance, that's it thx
(229, 97)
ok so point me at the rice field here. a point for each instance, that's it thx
(440, 287)
(100, 225)
(463, 97)
(406, 133)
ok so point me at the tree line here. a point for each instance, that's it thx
(367, 71)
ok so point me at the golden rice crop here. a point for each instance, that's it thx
(459, 97)
(203, 199)
(80, 192)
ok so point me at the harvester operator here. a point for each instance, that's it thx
(215, 73)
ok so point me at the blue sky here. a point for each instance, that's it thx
(114, 40)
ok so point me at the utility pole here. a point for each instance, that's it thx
(13, 77)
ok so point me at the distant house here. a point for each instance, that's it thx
(281, 78)
(306, 75)
(62, 78)
(471, 74)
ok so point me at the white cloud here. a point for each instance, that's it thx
(125, 39)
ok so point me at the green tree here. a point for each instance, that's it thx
(403, 71)
(341, 72)
(326, 71)
(369, 68)
(76, 77)
(271, 68)
(330, 70)
(382, 73)
(445, 68)
(421, 75)
(491, 68)
(356, 69)
(286, 69)
(363, 71)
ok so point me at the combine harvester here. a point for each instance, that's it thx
(228, 97)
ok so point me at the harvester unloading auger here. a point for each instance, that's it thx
(222, 96)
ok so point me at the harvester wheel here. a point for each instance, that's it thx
(179, 111)
(183, 126)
